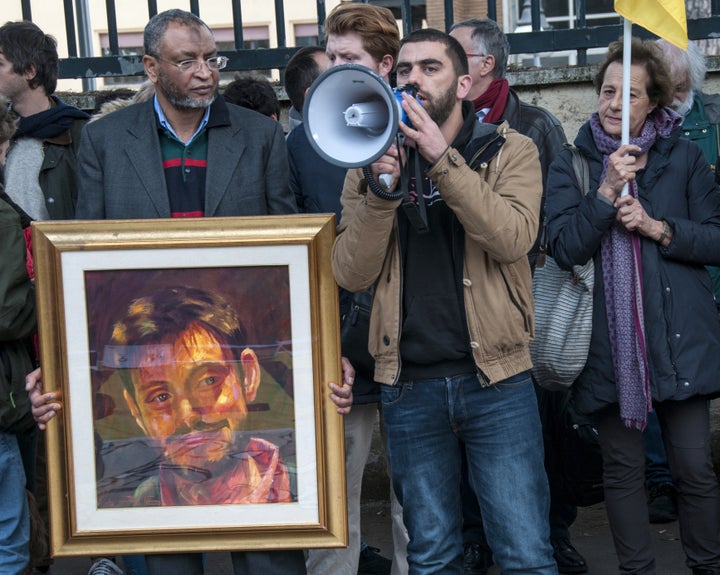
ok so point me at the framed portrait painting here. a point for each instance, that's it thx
(192, 359)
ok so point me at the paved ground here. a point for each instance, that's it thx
(590, 533)
(591, 536)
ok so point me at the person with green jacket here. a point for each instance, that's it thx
(17, 324)
(700, 112)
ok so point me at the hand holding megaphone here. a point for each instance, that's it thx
(422, 133)
(373, 116)
(386, 169)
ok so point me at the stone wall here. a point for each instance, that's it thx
(569, 94)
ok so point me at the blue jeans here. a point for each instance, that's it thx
(14, 518)
(427, 423)
(134, 564)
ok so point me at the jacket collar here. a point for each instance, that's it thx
(487, 139)
(219, 113)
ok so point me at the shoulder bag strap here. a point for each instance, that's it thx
(580, 167)
(582, 174)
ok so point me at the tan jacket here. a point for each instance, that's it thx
(498, 206)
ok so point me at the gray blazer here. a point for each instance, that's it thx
(120, 171)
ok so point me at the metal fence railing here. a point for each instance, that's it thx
(580, 36)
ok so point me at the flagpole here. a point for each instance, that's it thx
(627, 61)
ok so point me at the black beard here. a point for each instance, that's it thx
(440, 110)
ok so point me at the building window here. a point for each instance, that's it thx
(254, 38)
(130, 44)
(306, 35)
(561, 14)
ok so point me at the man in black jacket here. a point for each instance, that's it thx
(487, 50)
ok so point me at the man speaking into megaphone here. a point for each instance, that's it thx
(452, 316)
(365, 37)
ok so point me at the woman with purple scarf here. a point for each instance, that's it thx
(656, 330)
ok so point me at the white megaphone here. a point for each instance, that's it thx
(351, 115)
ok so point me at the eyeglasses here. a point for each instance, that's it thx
(215, 63)
(474, 55)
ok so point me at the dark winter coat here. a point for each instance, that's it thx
(682, 325)
(546, 132)
(17, 324)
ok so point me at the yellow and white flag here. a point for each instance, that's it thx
(664, 18)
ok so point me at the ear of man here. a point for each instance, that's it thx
(464, 84)
(251, 371)
(490, 64)
(30, 73)
(385, 65)
(151, 65)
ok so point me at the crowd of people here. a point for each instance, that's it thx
(467, 433)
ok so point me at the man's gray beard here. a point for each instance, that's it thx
(683, 108)
(188, 103)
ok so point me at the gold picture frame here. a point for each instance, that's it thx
(117, 480)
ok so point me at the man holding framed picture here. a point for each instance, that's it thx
(186, 153)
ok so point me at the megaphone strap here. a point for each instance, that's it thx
(414, 209)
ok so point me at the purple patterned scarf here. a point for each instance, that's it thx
(622, 279)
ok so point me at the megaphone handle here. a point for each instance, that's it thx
(377, 189)
(385, 180)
